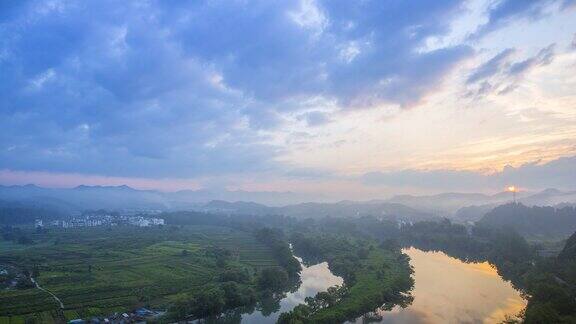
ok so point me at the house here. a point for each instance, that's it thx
(77, 321)
(143, 312)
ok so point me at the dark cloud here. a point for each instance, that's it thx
(544, 57)
(492, 67)
(504, 12)
(174, 88)
(560, 173)
(170, 88)
(357, 52)
(501, 75)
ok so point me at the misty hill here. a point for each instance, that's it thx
(455, 204)
(472, 213)
(238, 207)
(380, 209)
(464, 206)
(442, 203)
(569, 251)
(87, 197)
(15, 213)
(125, 197)
(533, 221)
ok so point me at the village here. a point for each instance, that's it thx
(140, 315)
(99, 219)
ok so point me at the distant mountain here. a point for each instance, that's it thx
(88, 197)
(545, 222)
(550, 197)
(239, 207)
(462, 207)
(269, 198)
(124, 197)
(450, 204)
(472, 213)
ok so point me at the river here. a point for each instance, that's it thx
(314, 278)
(447, 290)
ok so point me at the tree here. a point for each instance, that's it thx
(236, 275)
(210, 301)
(541, 313)
(273, 279)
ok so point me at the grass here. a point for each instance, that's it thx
(95, 271)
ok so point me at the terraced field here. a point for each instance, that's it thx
(99, 271)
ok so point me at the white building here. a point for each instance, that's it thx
(157, 221)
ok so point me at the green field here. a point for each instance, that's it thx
(97, 271)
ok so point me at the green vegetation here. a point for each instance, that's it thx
(533, 222)
(219, 266)
(236, 288)
(277, 242)
(551, 284)
(97, 271)
(374, 277)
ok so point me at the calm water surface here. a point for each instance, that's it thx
(448, 290)
(314, 278)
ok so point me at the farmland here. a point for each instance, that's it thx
(99, 271)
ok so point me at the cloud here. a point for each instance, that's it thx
(559, 173)
(444, 179)
(491, 67)
(315, 118)
(569, 4)
(500, 75)
(504, 12)
(544, 57)
(165, 88)
(358, 53)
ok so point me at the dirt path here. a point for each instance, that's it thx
(51, 294)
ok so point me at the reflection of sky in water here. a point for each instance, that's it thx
(450, 291)
(315, 278)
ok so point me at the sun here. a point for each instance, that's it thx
(512, 188)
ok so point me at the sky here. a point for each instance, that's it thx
(353, 99)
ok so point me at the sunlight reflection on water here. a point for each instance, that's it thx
(448, 290)
(314, 278)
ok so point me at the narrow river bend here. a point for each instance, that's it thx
(446, 290)
(314, 278)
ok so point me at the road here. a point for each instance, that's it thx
(51, 294)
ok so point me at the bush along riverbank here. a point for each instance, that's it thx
(375, 277)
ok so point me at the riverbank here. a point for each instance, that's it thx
(383, 282)
(374, 277)
(447, 289)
